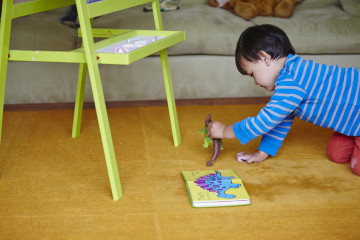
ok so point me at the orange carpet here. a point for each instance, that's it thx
(56, 187)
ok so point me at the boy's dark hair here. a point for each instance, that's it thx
(267, 38)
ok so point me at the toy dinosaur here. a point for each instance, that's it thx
(216, 143)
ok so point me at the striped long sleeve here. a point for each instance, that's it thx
(327, 96)
(275, 119)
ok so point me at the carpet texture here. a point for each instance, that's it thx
(56, 187)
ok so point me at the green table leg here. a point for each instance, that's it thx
(5, 30)
(170, 98)
(99, 99)
(79, 100)
(167, 78)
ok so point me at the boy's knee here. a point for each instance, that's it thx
(340, 148)
(338, 157)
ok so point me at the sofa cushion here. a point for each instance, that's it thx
(320, 29)
(208, 30)
(317, 27)
(42, 31)
(351, 6)
(319, 2)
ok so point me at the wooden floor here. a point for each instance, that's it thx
(56, 187)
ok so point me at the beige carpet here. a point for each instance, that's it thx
(56, 187)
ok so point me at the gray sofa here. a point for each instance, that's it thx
(201, 67)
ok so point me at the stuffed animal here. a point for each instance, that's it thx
(248, 9)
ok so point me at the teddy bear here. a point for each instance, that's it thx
(248, 9)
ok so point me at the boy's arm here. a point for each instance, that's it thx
(272, 140)
(274, 120)
(270, 143)
(220, 130)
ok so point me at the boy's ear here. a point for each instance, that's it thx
(265, 57)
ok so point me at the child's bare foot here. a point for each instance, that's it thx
(355, 166)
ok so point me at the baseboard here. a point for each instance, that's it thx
(142, 103)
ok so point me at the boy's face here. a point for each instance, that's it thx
(263, 71)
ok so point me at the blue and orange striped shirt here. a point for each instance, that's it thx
(327, 96)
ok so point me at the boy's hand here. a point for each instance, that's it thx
(256, 157)
(215, 129)
(219, 130)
